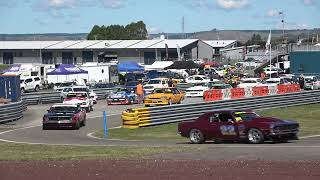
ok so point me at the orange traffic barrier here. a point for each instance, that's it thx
(237, 93)
(213, 95)
(260, 91)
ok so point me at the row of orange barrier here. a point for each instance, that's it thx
(213, 95)
(237, 93)
(283, 89)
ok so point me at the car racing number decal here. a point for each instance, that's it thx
(227, 130)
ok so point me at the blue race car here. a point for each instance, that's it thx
(122, 96)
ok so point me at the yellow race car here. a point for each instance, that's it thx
(164, 96)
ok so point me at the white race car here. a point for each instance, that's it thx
(197, 91)
(80, 98)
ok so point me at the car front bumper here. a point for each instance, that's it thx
(117, 101)
(156, 102)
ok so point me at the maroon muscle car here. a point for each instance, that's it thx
(237, 126)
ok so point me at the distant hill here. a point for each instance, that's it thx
(240, 35)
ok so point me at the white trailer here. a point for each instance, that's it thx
(98, 72)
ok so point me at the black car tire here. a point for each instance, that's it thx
(36, 89)
(22, 90)
(255, 136)
(130, 101)
(91, 108)
(44, 127)
(196, 136)
(147, 105)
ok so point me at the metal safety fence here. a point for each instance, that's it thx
(12, 111)
(183, 112)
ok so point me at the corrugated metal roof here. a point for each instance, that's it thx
(219, 43)
(95, 44)
(62, 45)
(172, 43)
(83, 44)
(124, 44)
(145, 44)
(26, 44)
(103, 44)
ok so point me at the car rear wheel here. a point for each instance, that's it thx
(36, 89)
(255, 136)
(91, 108)
(44, 127)
(196, 136)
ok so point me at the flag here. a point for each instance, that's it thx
(178, 52)
(167, 52)
(268, 43)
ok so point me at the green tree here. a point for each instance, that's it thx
(133, 30)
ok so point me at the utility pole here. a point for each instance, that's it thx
(182, 26)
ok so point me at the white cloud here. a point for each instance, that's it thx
(232, 4)
(272, 13)
(113, 3)
(153, 30)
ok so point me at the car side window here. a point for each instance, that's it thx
(225, 117)
(28, 80)
(198, 78)
(37, 79)
(67, 90)
(214, 118)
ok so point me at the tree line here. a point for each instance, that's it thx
(132, 31)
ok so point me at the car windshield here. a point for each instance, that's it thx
(82, 95)
(162, 91)
(80, 89)
(249, 81)
(66, 84)
(64, 109)
(272, 82)
(245, 116)
(154, 82)
(308, 80)
(123, 91)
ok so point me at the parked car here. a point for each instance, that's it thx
(122, 96)
(80, 98)
(250, 82)
(155, 83)
(32, 83)
(238, 126)
(198, 91)
(277, 81)
(197, 79)
(311, 82)
(60, 86)
(64, 116)
(164, 96)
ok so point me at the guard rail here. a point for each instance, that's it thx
(176, 113)
(12, 111)
(55, 97)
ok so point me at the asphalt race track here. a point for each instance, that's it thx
(29, 130)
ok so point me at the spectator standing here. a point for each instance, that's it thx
(140, 92)
(301, 81)
(170, 83)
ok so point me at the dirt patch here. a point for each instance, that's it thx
(160, 169)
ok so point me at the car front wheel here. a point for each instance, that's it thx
(196, 136)
(255, 136)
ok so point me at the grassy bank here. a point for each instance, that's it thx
(308, 116)
(23, 152)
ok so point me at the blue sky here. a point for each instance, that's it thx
(78, 16)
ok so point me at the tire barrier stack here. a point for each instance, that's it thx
(12, 111)
(183, 112)
(238, 93)
(135, 118)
